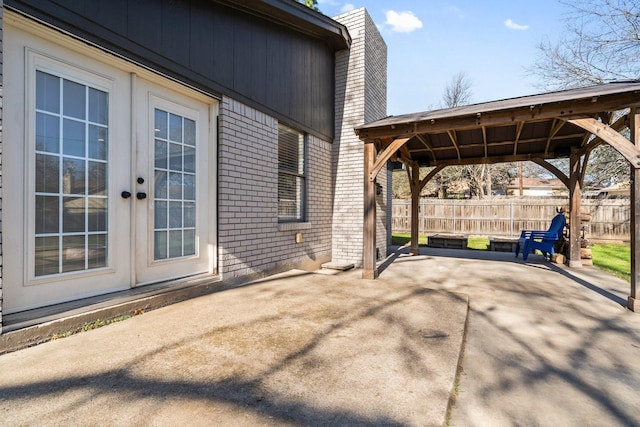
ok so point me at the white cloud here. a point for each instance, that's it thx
(403, 22)
(347, 7)
(513, 26)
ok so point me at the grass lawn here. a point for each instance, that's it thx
(613, 258)
(402, 239)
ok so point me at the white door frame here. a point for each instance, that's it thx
(25, 42)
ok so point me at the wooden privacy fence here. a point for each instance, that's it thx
(609, 218)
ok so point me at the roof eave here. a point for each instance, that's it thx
(296, 16)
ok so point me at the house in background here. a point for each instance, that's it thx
(147, 141)
(537, 187)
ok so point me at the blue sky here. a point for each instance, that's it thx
(430, 41)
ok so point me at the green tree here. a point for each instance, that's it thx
(601, 43)
(312, 4)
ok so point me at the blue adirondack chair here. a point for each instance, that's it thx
(540, 239)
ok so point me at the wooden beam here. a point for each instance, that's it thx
(575, 198)
(567, 110)
(433, 172)
(618, 125)
(384, 157)
(496, 143)
(415, 206)
(611, 137)
(554, 170)
(369, 268)
(485, 160)
(633, 302)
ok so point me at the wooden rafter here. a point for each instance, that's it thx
(484, 141)
(454, 141)
(424, 139)
(555, 128)
(516, 141)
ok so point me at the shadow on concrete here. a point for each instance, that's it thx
(254, 392)
(591, 286)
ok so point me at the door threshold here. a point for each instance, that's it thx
(60, 318)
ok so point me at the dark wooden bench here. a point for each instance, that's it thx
(502, 244)
(447, 241)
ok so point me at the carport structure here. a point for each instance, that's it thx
(563, 124)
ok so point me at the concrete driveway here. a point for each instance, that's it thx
(545, 346)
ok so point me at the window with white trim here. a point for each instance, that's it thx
(291, 175)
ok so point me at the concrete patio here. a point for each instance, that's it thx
(544, 346)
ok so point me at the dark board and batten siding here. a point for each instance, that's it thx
(213, 47)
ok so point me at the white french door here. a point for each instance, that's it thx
(108, 173)
(172, 185)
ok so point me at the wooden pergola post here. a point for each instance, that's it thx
(415, 203)
(369, 269)
(633, 302)
(575, 196)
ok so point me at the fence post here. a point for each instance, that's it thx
(511, 219)
(454, 216)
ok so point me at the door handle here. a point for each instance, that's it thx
(141, 196)
(125, 194)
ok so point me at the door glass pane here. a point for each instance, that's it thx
(73, 138)
(97, 250)
(97, 178)
(73, 253)
(71, 176)
(73, 99)
(47, 256)
(161, 155)
(175, 243)
(160, 244)
(189, 132)
(47, 214)
(174, 183)
(47, 92)
(189, 242)
(73, 214)
(98, 142)
(175, 128)
(47, 133)
(97, 214)
(161, 124)
(98, 106)
(47, 172)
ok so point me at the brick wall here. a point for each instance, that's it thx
(361, 97)
(251, 242)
